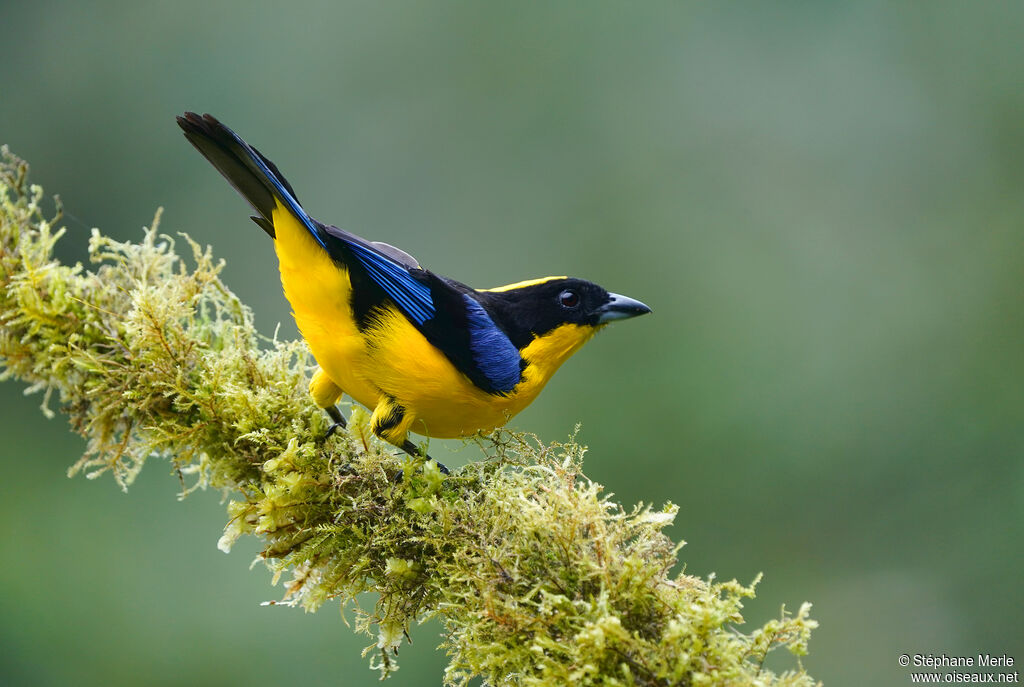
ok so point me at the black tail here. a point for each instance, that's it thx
(245, 168)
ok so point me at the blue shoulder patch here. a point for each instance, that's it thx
(492, 351)
(411, 295)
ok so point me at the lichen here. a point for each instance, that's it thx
(537, 575)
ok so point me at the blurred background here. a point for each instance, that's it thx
(823, 203)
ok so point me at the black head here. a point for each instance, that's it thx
(530, 309)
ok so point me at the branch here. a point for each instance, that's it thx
(538, 577)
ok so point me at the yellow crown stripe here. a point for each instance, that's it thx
(523, 284)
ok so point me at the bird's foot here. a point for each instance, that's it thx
(414, 451)
(407, 446)
(339, 421)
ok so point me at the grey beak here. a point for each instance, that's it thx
(620, 308)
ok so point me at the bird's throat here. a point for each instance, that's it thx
(547, 352)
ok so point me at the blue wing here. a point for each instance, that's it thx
(395, 278)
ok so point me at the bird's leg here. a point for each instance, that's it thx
(391, 423)
(325, 394)
(339, 420)
(414, 451)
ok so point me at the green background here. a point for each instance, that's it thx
(822, 202)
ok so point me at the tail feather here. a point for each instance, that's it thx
(265, 225)
(255, 177)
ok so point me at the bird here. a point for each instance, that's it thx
(425, 353)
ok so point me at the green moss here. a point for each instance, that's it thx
(538, 577)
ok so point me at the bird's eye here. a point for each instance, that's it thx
(569, 299)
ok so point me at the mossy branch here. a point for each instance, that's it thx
(538, 577)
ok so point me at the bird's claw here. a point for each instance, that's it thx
(414, 451)
(409, 447)
(339, 421)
